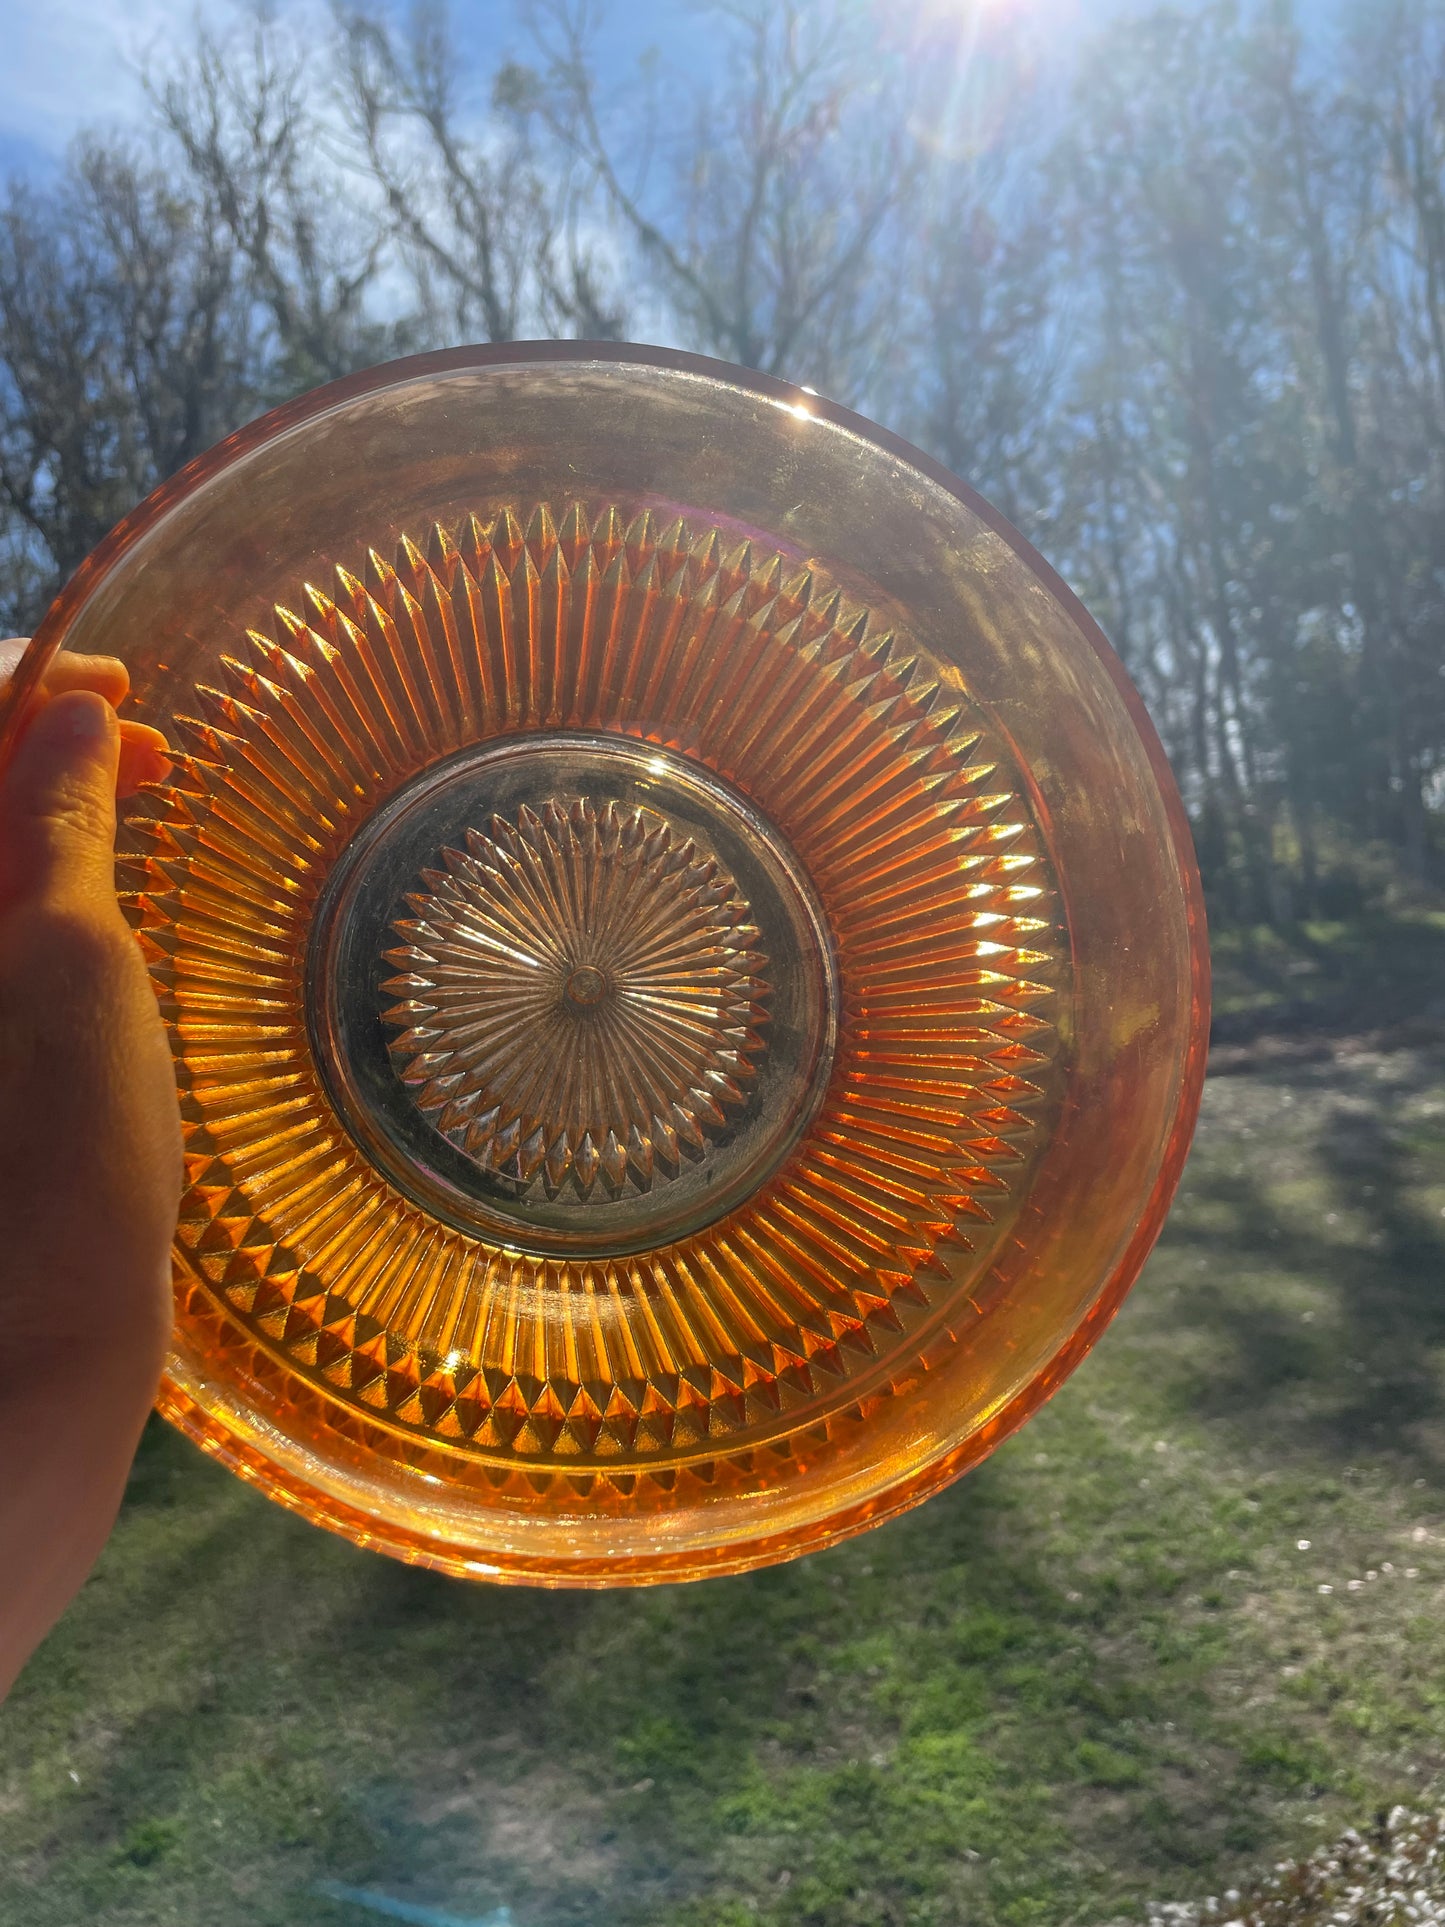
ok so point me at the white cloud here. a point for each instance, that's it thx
(70, 64)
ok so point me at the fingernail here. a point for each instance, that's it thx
(160, 770)
(88, 716)
(76, 717)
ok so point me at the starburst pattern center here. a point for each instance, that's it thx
(579, 997)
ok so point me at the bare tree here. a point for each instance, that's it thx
(160, 294)
(250, 123)
(763, 207)
(496, 240)
(127, 346)
(1185, 323)
(982, 346)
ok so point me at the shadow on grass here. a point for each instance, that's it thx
(909, 1719)
(952, 1718)
(1370, 1370)
(1379, 974)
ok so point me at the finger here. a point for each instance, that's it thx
(106, 675)
(144, 758)
(57, 804)
(144, 752)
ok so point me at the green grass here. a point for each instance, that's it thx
(1384, 974)
(1102, 1669)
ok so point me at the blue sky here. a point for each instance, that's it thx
(69, 64)
(72, 63)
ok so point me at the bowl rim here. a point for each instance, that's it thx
(179, 1404)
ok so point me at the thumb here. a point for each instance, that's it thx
(57, 805)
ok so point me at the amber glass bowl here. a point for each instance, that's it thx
(682, 952)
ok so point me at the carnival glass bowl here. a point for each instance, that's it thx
(682, 953)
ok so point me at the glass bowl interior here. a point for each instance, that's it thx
(683, 955)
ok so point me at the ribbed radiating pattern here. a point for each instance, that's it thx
(866, 756)
(579, 993)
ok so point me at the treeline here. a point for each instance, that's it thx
(1173, 297)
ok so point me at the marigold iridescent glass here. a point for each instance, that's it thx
(682, 952)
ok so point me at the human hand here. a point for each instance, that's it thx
(90, 1155)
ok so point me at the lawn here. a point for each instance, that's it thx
(1188, 1622)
